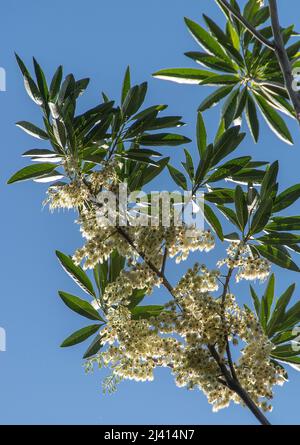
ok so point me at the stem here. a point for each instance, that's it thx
(283, 58)
(247, 25)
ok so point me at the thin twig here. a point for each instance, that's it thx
(247, 25)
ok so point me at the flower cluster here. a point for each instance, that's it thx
(135, 347)
(140, 276)
(249, 267)
(67, 196)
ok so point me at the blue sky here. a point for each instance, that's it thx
(39, 382)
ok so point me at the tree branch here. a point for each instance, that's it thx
(283, 58)
(247, 25)
(230, 377)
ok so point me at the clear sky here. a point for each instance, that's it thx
(39, 382)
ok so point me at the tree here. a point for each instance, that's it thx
(110, 152)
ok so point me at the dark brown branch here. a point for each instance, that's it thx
(247, 25)
(282, 57)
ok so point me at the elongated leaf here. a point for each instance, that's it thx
(80, 306)
(279, 238)
(80, 335)
(210, 61)
(256, 301)
(41, 80)
(178, 177)
(32, 129)
(213, 221)
(126, 85)
(94, 347)
(214, 98)
(31, 172)
(284, 223)
(189, 165)
(267, 301)
(287, 198)
(163, 139)
(280, 307)
(261, 216)
(275, 122)
(141, 312)
(76, 273)
(252, 119)
(241, 207)
(277, 257)
(205, 40)
(55, 83)
(201, 135)
(183, 75)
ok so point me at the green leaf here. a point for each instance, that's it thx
(32, 129)
(137, 296)
(40, 153)
(80, 306)
(22, 66)
(126, 85)
(161, 139)
(76, 273)
(94, 347)
(287, 198)
(279, 238)
(134, 100)
(183, 75)
(262, 216)
(275, 122)
(201, 135)
(210, 61)
(241, 207)
(279, 311)
(277, 257)
(256, 301)
(267, 301)
(228, 169)
(32, 171)
(189, 165)
(178, 177)
(151, 172)
(221, 79)
(284, 223)
(284, 337)
(32, 90)
(269, 180)
(229, 214)
(229, 108)
(220, 196)
(141, 312)
(252, 119)
(213, 221)
(227, 143)
(214, 98)
(41, 80)
(55, 83)
(285, 351)
(101, 276)
(205, 40)
(80, 335)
